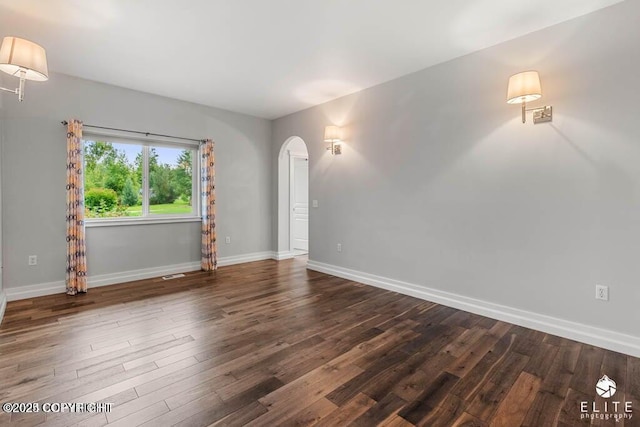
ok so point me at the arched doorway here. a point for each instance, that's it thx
(293, 198)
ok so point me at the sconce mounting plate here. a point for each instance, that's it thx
(543, 114)
(335, 148)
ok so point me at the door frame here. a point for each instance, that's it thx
(296, 145)
(292, 157)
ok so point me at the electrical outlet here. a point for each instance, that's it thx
(314, 203)
(33, 260)
(602, 292)
(227, 239)
(339, 247)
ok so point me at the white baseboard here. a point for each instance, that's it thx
(50, 288)
(37, 290)
(3, 304)
(241, 259)
(145, 273)
(604, 338)
(282, 255)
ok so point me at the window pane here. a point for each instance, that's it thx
(112, 179)
(170, 181)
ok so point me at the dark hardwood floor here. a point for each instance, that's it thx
(270, 343)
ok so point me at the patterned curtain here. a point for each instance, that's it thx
(208, 176)
(76, 257)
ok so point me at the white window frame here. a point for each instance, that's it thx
(147, 217)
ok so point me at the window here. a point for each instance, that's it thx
(139, 181)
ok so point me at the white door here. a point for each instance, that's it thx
(299, 205)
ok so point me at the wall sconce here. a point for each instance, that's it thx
(25, 60)
(332, 134)
(525, 87)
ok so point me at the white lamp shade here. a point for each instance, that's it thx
(332, 134)
(19, 54)
(524, 87)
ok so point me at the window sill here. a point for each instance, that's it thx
(116, 222)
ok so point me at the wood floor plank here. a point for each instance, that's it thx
(183, 388)
(587, 371)
(68, 389)
(138, 381)
(96, 366)
(570, 413)
(172, 417)
(430, 399)
(310, 415)
(98, 420)
(468, 420)
(211, 367)
(541, 360)
(411, 386)
(141, 416)
(562, 370)
(464, 342)
(514, 407)
(272, 343)
(445, 414)
(465, 363)
(220, 409)
(470, 384)
(633, 378)
(303, 392)
(389, 378)
(374, 374)
(544, 411)
(395, 421)
(242, 416)
(494, 391)
(62, 419)
(348, 412)
(379, 412)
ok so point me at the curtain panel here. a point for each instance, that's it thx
(208, 177)
(76, 278)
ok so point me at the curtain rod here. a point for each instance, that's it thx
(64, 122)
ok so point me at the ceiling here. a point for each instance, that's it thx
(268, 58)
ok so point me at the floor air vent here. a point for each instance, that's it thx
(172, 276)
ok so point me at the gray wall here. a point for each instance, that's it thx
(33, 180)
(441, 185)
